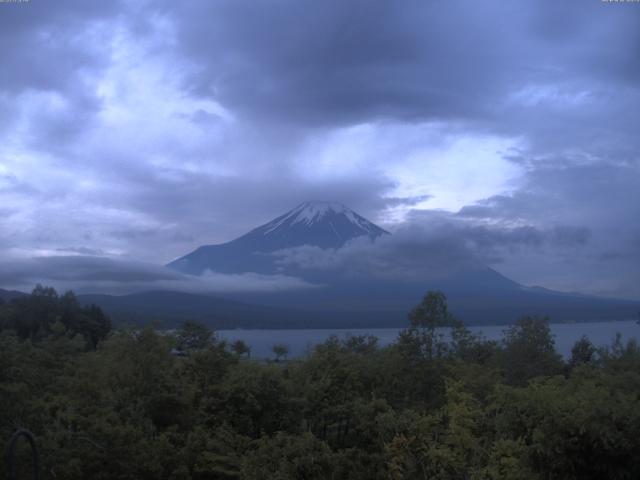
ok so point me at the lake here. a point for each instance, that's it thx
(301, 341)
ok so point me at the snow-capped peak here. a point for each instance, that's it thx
(312, 214)
(325, 225)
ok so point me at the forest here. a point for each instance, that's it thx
(117, 403)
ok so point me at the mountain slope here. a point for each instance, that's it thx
(321, 224)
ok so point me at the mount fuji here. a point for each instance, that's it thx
(319, 224)
(476, 293)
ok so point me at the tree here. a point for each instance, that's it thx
(255, 398)
(43, 313)
(194, 336)
(361, 344)
(94, 325)
(432, 312)
(582, 352)
(33, 315)
(281, 351)
(427, 319)
(289, 457)
(529, 351)
(88, 321)
(241, 348)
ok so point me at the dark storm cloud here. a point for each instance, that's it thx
(346, 62)
(334, 62)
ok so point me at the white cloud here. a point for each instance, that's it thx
(98, 274)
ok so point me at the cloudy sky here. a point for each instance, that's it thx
(132, 132)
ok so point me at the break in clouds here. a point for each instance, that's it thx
(496, 132)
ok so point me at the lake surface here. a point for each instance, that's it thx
(300, 342)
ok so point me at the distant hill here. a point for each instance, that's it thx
(168, 309)
(7, 295)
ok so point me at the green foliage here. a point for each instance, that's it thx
(426, 335)
(577, 428)
(432, 312)
(44, 312)
(288, 457)
(194, 336)
(529, 351)
(240, 348)
(280, 351)
(583, 352)
(437, 404)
